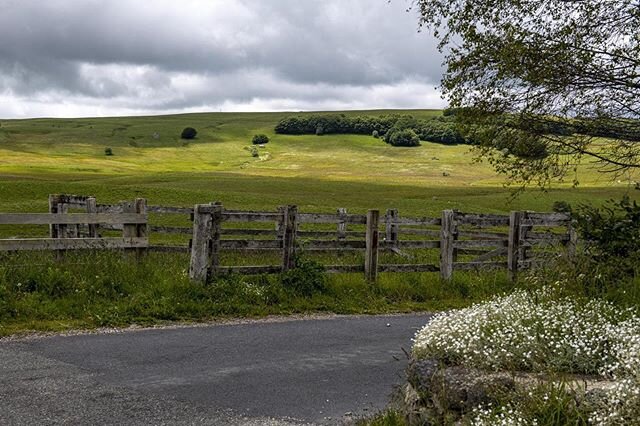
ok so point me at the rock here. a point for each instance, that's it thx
(456, 388)
(421, 372)
(437, 391)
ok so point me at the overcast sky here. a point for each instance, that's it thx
(64, 58)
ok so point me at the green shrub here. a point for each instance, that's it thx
(406, 137)
(440, 132)
(612, 231)
(260, 139)
(405, 122)
(306, 278)
(188, 133)
(561, 207)
(108, 151)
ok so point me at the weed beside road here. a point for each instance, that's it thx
(88, 290)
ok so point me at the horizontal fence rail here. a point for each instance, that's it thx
(458, 241)
(79, 231)
(487, 241)
(72, 243)
(71, 218)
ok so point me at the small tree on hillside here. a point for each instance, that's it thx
(406, 137)
(260, 139)
(189, 133)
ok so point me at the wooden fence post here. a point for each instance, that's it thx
(73, 231)
(132, 230)
(216, 226)
(63, 230)
(280, 224)
(92, 207)
(515, 219)
(54, 200)
(289, 237)
(142, 229)
(129, 230)
(371, 243)
(523, 233)
(447, 241)
(55, 230)
(342, 224)
(202, 222)
(391, 236)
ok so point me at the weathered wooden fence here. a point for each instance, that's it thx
(78, 231)
(485, 241)
(458, 241)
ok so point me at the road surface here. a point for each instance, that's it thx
(305, 371)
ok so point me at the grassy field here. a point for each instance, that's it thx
(43, 156)
(318, 173)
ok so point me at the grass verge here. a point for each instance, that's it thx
(88, 290)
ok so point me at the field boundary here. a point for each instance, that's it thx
(78, 231)
(464, 241)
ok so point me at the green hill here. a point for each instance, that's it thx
(42, 156)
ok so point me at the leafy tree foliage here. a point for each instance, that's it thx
(610, 242)
(611, 231)
(402, 137)
(189, 133)
(552, 74)
(438, 129)
(260, 139)
(335, 123)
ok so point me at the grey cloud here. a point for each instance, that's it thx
(145, 53)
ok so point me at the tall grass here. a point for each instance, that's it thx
(100, 289)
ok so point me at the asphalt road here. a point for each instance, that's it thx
(321, 371)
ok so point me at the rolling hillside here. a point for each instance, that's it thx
(42, 156)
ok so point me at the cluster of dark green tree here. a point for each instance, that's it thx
(395, 129)
(406, 130)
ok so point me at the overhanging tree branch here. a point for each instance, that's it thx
(543, 77)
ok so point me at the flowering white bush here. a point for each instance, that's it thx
(536, 331)
(621, 403)
(524, 331)
(507, 417)
(626, 350)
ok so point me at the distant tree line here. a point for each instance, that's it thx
(407, 130)
(437, 129)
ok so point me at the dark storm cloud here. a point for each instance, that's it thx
(174, 55)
